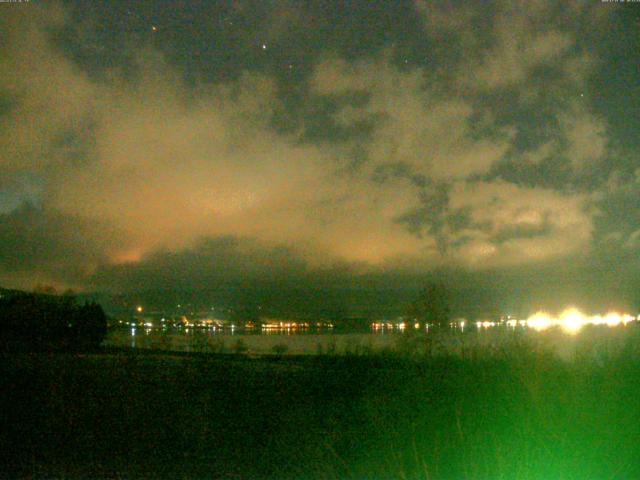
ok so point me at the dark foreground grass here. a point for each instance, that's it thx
(126, 415)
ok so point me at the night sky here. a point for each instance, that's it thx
(190, 144)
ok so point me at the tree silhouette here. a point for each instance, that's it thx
(38, 321)
(90, 325)
(432, 306)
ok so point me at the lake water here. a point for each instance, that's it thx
(252, 343)
(590, 341)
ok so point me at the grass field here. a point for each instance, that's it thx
(517, 413)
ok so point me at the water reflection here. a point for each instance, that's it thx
(289, 340)
(303, 338)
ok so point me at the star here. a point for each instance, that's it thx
(264, 46)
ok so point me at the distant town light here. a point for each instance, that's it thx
(571, 320)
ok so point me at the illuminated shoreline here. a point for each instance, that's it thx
(571, 320)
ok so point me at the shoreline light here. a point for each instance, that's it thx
(571, 320)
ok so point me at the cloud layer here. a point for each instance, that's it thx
(485, 154)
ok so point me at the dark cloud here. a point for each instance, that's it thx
(433, 215)
(233, 271)
(430, 216)
(617, 215)
(51, 246)
(211, 263)
(523, 231)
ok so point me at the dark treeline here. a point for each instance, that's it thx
(35, 321)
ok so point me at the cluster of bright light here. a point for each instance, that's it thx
(277, 325)
(389, 325)
(285, 325)
(571, 320)
(486, 324)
